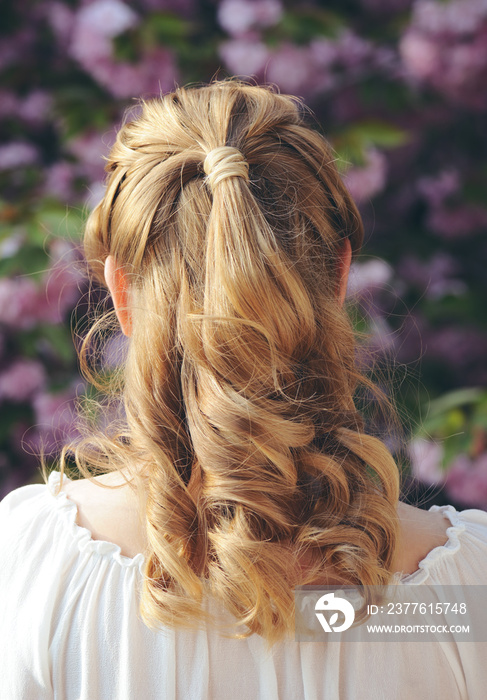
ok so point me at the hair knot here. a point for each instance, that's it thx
(223, 162)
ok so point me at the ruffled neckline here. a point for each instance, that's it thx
(86, 544)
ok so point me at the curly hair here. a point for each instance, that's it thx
(227, 213)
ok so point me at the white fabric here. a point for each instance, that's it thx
(70, 628)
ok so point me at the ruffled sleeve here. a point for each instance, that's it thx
(462, 559)
(54, 576)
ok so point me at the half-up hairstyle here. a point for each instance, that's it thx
(227, 214)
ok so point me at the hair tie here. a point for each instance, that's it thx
(223, 162)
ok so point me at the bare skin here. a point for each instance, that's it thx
(112, 515)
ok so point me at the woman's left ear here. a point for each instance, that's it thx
(117, 283)
(344, 262)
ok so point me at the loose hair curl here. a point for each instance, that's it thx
(239, 382)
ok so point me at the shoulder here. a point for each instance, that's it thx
(442, 545)
(420, 532)
(111, 510)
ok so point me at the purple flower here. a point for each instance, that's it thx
(466, 481)
(364, 182)
(446, 47)
(459, 221)
(237, 17)
(62, 20)
(9, 104)
(453, 17)
(89, 148)
(56, 420)
(365, 277)
(20, 303)
(438, 188)
(426, 457)
(292, 68)
(435, 277)
(21, 380)
(17, 154)
(95, 26)
(59, 182)
(457, 345)
(156, 72)
(35, 107)
(244, 56)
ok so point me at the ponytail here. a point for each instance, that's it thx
(238, 391)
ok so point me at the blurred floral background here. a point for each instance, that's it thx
(399, 88)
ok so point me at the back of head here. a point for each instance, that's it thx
(227, 214)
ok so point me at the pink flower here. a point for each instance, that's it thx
(238, 16)
(364, 182)
(20, 302)
(466, 481)
(455, 16)
(95, 26)
(438, 188)
(367, 276)
(61, 19)
(292, 68)
(435, 276)
(89, 147)
(35, 107)
(21, 380)
(56, 421)
(244, 56)
(154, 73)
(420, 55)
(59, 182)
(17, 154)
(426, 458)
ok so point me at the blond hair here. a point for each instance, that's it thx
(228, 214)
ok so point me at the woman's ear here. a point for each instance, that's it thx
(344, 262)
(117, 283)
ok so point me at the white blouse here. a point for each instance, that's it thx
(70, 627)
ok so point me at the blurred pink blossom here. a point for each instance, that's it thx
(292, 68)
(17, 154)
(238, 16)
(62, 20)
(95, 26)
(438, 188)
(459, 346)
(435, 276)
(56, 421)
(59, 181)
(446, 46)
(21, 380)
(420, 55)
(455, 16)
(459, 221)
(367, 276)
(89, 148)
(466, 481)
(20, 302)
(9, 103)
(426, 457)
(364, 182)
(244, 56)
(156, 72)
(35, 107)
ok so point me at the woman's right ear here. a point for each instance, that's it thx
(118, 285)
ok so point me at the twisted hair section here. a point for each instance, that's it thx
(226, 211)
